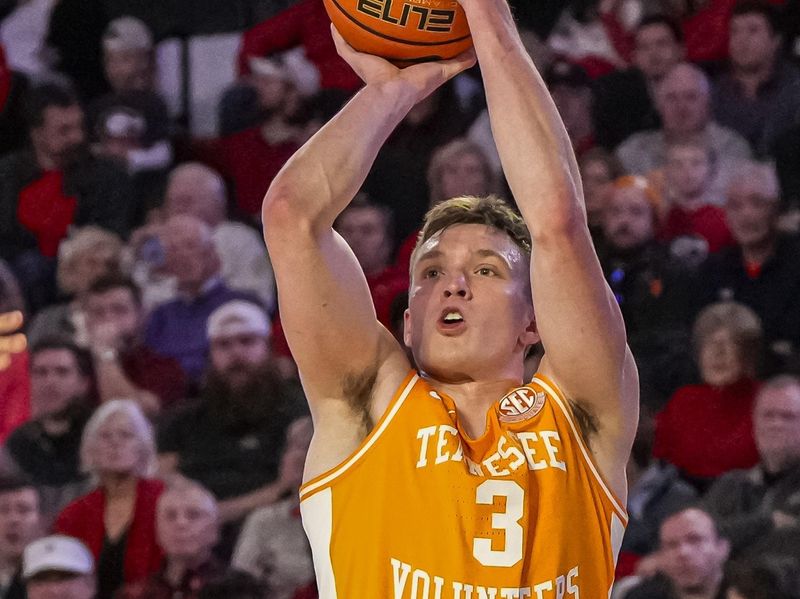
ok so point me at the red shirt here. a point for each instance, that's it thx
(83, 519)
(707, 222)
(252, 163)
(15, 395)
(45, 211)
(307, 24)
(706, 431)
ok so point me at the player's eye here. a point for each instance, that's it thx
(431, 273)
(486, 271)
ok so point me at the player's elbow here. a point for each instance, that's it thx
(562, 225)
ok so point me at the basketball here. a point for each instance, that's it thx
(402, 31)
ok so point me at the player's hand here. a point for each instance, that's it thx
(10, 343)
(424, 77)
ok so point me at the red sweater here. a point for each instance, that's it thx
(706, 431)
(707, 222)
(83, 519)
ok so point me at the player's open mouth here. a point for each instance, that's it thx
(451, 320)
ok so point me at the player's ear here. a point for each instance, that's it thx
(407, 327)
(530, 335)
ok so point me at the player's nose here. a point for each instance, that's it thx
(457, 285)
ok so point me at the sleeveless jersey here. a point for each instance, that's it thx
(422, 511)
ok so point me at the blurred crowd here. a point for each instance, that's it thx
(154, 432)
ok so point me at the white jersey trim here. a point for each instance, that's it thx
(581, 445)
(317, 519)
(347, 464)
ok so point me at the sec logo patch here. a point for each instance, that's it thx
(521, 404)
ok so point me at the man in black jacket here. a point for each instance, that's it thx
(52, 185)
(751, 504)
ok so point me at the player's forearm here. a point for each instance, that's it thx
(319, 181)
(534, 147)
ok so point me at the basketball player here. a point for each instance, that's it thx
(459, 480)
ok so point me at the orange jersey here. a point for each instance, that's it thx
(421, 511)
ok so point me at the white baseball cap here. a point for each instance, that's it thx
(56, 553)
(238, 317)
(127, 33)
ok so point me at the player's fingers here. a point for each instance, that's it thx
(13, 343)
(5, 360)
(457, 64)
(10, 321)
(342, 47)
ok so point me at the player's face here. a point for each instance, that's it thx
(470, 313)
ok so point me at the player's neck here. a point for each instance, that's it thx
(474, 399)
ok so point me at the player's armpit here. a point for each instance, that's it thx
(326, 308)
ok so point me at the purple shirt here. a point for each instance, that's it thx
(177, 329)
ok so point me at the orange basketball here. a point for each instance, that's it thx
(403, 31)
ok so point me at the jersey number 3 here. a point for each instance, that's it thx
(507, 521)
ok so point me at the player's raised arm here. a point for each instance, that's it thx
(578, 319)
(325, 305)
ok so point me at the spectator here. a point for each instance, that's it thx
(128, 55)
(177, 328)
(758, 95)
(598, 169)
(52, 186)
(117, 519)
(762, 270)
(691, 560)
(187, 526)
(252, 158)
(230, 440)
(767, 577)
(20, 524)
(651, 286)
(46, 448)
(140, 142)
(58, 567)
(573, 94)
(655, 493)
(689, 172)
(122, 132)
(624, 99)
(87, 255)
(305, 24)
(683, 100)
(273, 546)
(458, 168)
(15, 386)
(123, 366)
(750, 504)
(366, 227)
(196, 190)
(706, 430)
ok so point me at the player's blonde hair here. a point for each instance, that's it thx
(491, 211)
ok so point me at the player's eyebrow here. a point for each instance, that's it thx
(487, 253)
(430, 255)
